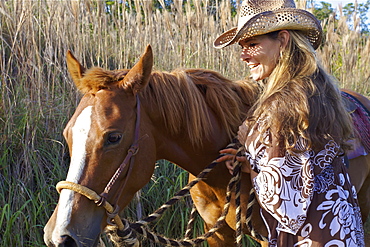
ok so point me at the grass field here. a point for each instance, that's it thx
(37, 96)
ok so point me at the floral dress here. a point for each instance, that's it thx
(306, 198)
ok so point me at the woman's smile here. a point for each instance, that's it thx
(261, 54)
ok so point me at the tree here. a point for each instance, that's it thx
(360, 10)
(323, 10)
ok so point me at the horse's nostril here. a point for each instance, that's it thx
(66, 241)
(62, 239)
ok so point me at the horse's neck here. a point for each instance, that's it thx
(179, 149)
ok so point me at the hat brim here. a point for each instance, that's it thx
(270, 21)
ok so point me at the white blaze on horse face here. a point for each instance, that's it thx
(80, 132)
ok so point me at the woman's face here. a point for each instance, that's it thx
(261, 53)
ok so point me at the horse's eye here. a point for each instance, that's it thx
(114, 138)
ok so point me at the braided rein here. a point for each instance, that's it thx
(139, 226)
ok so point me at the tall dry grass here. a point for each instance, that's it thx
(346, 54)
(37, 96)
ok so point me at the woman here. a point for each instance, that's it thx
(295, 137)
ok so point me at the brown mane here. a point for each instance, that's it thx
(182, 96)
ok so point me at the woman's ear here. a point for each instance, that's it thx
(284, 37)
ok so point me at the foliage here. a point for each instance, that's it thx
(323, 11)
(356, 14)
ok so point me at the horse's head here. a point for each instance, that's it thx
(100, 135)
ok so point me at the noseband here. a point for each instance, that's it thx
(101, 200)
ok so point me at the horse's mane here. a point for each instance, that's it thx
(182, 97)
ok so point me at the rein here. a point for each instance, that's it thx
(139, 226)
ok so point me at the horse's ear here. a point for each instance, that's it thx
(138, 77)
(76, 70)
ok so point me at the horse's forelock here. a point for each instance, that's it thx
(98, 78)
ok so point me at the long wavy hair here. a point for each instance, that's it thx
(300, 99)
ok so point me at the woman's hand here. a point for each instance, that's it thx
(229, 158)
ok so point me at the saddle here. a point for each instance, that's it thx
(361, 121)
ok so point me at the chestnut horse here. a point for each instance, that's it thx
(185, 116)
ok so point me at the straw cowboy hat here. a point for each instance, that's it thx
(259, 17)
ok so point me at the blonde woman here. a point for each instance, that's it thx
(295, 137)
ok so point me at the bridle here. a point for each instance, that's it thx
(101, 199)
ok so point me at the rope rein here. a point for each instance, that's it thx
(139, 226)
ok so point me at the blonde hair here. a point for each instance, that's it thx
(301, 100)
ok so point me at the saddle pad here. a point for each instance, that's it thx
(361, 121)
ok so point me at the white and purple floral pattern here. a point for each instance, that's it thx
(306, 198)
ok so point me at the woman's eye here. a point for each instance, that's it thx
(247, 46)
(114, 138)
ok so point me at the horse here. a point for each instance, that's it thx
(185, 116)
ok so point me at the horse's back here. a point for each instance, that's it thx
(361, 98)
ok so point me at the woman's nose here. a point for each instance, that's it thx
(244, 56)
